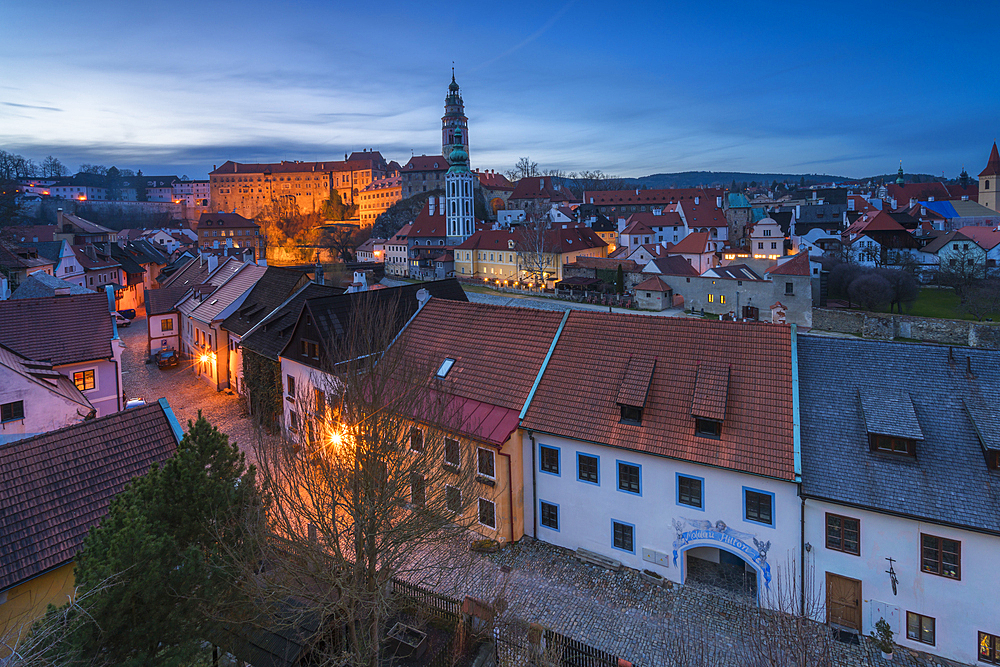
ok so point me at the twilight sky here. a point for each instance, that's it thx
(631, 88)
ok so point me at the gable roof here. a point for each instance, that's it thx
(654, 284)
(674, 265)
(59, 484)
(270, 291)
(331, 314)
(426, 163)
(214, 304)
(231, 220)
(757, 430)
(42, 373)
(947, 482)
(269, 336)
(59, 329)
(798, 265)
(491, 180)
(942, 240)
(427, 225)
(693, 244)
(41, 284)
(986, 238)
(487, 389)
(540, 187)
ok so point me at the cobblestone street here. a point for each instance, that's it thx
(186, 393)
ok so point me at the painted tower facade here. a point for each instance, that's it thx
(988, 180)
(454, 124)
(458, 190)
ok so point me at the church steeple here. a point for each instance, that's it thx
(899, 179)
(454, 119)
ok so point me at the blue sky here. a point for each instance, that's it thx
(629, 88)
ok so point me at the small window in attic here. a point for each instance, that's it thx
(891, 422)
(445, 367)
(631, 414)
(708, 428)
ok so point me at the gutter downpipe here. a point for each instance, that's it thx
(119, 390)
(524, 411)
(797, 452)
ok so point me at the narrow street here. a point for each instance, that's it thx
(186, 393)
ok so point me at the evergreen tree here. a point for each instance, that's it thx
(620, 280)
(164, 544)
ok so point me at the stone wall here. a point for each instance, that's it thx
(882, 326)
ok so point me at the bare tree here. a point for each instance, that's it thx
(597, 181)
(904, 287)
(364, 493)
(982, 300)
(961, 267)
(51, 167)
(524, 168)
(536, 257)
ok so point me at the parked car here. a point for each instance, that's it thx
(128, 313)
(134, 403)
(166, 358)
(122, 321)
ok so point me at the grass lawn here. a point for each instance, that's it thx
(939, 302)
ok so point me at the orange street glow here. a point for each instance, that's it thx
(203, 358)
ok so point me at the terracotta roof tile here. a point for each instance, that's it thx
(59, 329)
(55, 486)
(654, 284)
(635, 382)
(711, 390)
(577, 400)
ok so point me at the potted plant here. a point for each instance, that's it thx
(882, 637)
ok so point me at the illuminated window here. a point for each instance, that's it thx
(941, 556)
(989, 648)
(711, 298)
(722, 298)
(920, 628)
(84, 380)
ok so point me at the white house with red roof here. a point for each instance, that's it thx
(397, 253)
(987, 238)
(678, 463)
(698, 249)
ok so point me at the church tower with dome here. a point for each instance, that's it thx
(454, 124)
(459, 184)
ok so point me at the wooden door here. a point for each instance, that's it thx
(843, 602)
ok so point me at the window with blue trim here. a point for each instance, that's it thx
(588, 468)
(629, 478)
(550, 515)
(689, 491)
(549, 459)
(759, 506)
(623, 536)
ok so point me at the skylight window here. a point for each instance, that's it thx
(445, 367)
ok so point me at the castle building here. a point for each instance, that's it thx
(454, 124)
(988, 180)
(301, 187)
(458, 188)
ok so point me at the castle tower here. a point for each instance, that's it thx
(899, 179)
(454, 120)
(988, 180)
(458, 188)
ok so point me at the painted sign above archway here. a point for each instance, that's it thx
(700, 531)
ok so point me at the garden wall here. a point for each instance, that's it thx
(882, 326)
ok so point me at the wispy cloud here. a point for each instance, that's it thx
(30, 106)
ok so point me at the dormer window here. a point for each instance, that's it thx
(632, 394)
(708, 428)
(891, 423)
(711, 393)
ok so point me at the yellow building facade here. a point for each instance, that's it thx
(377, 197)
(249, 189)
(25, 603)
(492, 256)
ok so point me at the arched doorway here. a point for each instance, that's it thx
(718, 567)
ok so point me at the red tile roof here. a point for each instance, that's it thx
(674, 266)
(711, 391)
(635, 383)
(426, 163)
(491, 180)
(993, 164)
(873, 221)
(59, 484)
(654, 284)
(986, 238)
(497, 350)
(648, 219)
(577, 400)
(796, 266)
(540, 187)
(283, 167)
(427, 225)
(59, 329)
(919, 191)
(692, 244)
(628, 266)
(228, 220)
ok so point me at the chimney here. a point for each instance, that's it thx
(930, 199)
(318, 273)
(213, 262)
(814, 194)
(798, 211)
(913, 202)
(423, 296)
(718, 202)
(236, 167)
(4, 290)
(850, 203)
(541, 183)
